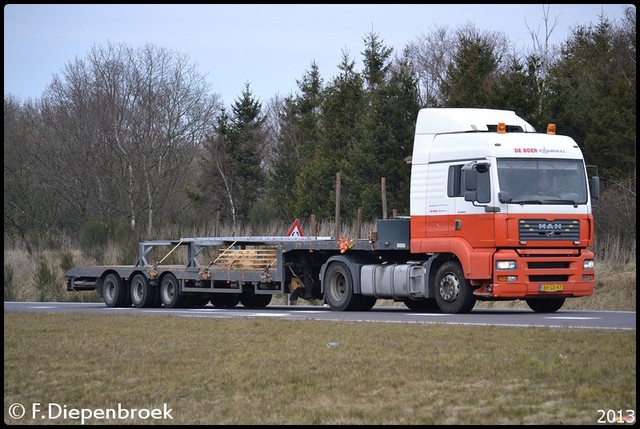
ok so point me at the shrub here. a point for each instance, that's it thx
(97, 235)
(10, 292)
(66, 261)
(46, 282)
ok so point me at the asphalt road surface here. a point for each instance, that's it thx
(621, 320)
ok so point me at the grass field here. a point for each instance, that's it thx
(60, 367)
(264, 371)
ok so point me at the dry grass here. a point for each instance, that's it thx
(25, 285)
(265, 371)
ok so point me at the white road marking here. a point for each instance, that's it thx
(270, 314)
(429, 314)
(573, 318)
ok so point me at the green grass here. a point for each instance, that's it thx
(265, 371)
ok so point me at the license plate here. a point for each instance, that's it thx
(552, 287)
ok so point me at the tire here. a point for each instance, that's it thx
(367, 302)
(426, 304)
(143, 295)
(453, 292)
(255, 301)
(224, 300)
(170, 292)
(157, 302)
(545, 305)
(338, 288)
(196, 301)
(114, 291)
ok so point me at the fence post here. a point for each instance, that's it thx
(314, 225)
(337, 226)
(383, 190)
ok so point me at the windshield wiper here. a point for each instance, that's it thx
(524, 201)
(572, 202)
(521, 202)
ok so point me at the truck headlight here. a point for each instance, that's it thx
(588, 264)
(506, 265)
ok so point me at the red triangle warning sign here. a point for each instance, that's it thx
(295, 230)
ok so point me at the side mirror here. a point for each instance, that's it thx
(594, 188)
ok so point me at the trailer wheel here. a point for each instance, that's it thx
(170, 292)
(453, 292)
(197, 301)
(426, 304)
(545, 305)
(224, 300)
(338, 288)
(255, 301)
(143, 295)
(114, 291)
(157, 302)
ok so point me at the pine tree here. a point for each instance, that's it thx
(299, 130)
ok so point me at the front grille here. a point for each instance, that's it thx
(549, 278)
(548, 265)
(554, 230)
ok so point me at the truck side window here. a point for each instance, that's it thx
(484, 188)
(455, 187)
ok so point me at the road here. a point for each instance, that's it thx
(617, 320)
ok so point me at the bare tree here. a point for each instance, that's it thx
(131, 120)
(542, 54)
(429, 57)
(173, 114)
(30, 204)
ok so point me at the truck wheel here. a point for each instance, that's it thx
(255, 301)
(452, 290)
(426, 304)
(367, 302)
(224, 300)
(545, 305)
(170, 292)
(143, 295)
(338, 288)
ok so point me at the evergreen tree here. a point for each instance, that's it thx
(233, 177)
(592, 96)
(299, 122)
(342, 110)
(471, 75)
(245, 145)
(399, 111)
(515, 90)
(389, 123)
(375, 59)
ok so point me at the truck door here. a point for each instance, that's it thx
(473, 219)
(438, 205)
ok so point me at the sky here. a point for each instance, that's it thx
(268, 46)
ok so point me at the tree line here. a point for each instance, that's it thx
(137, 136)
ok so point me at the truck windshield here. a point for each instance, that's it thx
(542, 181)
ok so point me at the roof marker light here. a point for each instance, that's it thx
(502, 128)
(551, 129)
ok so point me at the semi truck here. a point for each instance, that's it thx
(482, 227)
